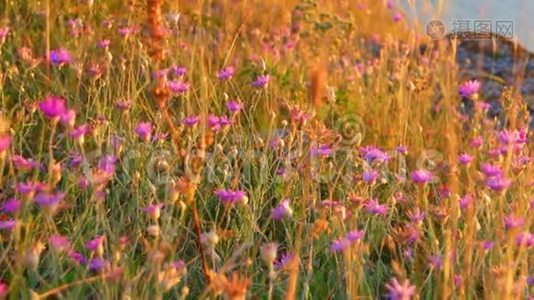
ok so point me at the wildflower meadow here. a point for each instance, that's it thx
(246, 149)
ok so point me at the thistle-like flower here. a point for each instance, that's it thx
(282, 211)
(53, 107)
(400, 291)
(469, 89)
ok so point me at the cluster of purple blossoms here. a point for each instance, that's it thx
(24, 164)
(215, 123)
(495, 179)
(374, 155)
(351, 238)
(374, 207)
(29, 188)
(228, 196)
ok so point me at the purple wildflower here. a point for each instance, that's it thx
(234, 106)
(123, 104)
(402, 150)
(96, 244)
(512, 222)
(374, 207)
(487, 245)
(213, 122)
(525, 239)
(11, 206)
(68, 118)
(24, 164)
(3, 34)
(226, 73)
(355, 235)
(397, 16)
(370, 176)
(80, 132)
(53, 107)
(491, 170)
(498, 183)
(97, 264)
(436, 261)
(465, 201)
(77, 257)
(30, 187)
(5, 143)
(127, 31)
(476, 142)
(178, 71)
(507, 137)
(422, 176)
(416, 216)
(323, 150)
(227, 196)
(465, 159)
(144, 130)
(373, 154)
(153, 210)
(339, 245)
(282, 211)
(400, 291)
(179, 87)
(190, 121)
(60, 56)
(103, 44)
(8, 224)
(470, 88)
(59, 243)
(107, 164)
(4, 290)
(261, 81)
(285, 261)
(49, 200)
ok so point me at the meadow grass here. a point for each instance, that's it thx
(252, 149)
